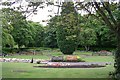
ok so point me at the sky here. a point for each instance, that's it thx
(43, 14)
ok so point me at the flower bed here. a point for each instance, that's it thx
(74, 65)
(69, 58)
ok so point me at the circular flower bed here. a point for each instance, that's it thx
(68, 58)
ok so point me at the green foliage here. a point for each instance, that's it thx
(11, 22)
(87, 37)
(104, 36)
(7, 28)
(22, 33)
(67, 29)
(79, 59)
(7, 39)
(18, 31)
(9, 51)
(50, 38)
(50, 33)
(37, 33)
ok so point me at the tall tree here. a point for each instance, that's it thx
(68, 29)
(110, 14)
(7, 28)
(105, 37)
(22, 33)
(15, 27)
(50, 33)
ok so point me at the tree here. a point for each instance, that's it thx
(37, 32)
(50, 33)
(68, 29)
(110, 14)
(7, 38)
(105, 37)
(50, 38)
(22, 33)
(87, 37)
(15, 28)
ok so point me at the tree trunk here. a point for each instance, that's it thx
(87, 48)
(117, 57)
(99, 40)
(19, 51)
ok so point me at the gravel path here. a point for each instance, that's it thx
(52, 63)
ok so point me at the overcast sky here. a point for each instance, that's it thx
(43, 14)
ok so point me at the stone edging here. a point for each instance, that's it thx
(20, 60)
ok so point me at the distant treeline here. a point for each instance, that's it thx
(20, 33)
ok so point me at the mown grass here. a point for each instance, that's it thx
(26, 70)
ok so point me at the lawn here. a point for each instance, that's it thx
(26, 70)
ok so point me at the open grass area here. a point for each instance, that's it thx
(26, 70)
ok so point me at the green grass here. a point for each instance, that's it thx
(99, 59)
(26, 70)
(48, 54)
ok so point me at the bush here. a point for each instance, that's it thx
(79, 59)
(9, 50)
(73, 59)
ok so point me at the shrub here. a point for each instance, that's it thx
(79, 59)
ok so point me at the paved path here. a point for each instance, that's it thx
(51, 63)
